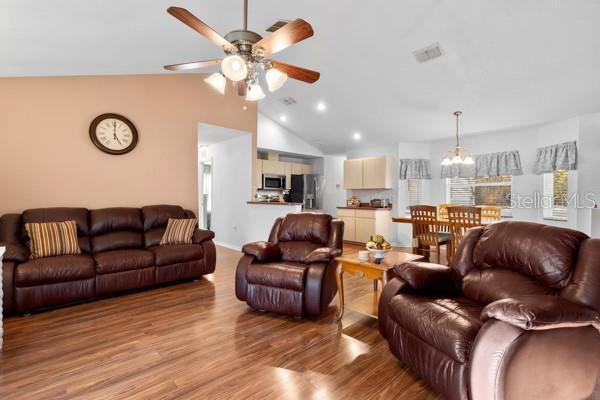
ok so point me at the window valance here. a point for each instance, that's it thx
(414, 169)
(506, 163)
(556, 157)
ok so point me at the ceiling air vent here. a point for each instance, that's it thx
(429, 53)
(277, 25)
(288, 101)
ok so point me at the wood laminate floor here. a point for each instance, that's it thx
(197, 341)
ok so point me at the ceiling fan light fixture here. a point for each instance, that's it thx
(234, 67)
(255, 93)
(275, 79)
(217, 81)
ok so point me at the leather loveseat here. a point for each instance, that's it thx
(120, 252)
(514, 317)
(294, 272)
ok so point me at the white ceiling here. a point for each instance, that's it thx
(508, 63)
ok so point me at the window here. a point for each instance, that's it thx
(491, 191)
(415, 192)
(556, 195)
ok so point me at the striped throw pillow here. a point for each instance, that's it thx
(179, 231)
(48, 239)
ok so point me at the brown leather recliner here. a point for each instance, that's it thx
(120, 251)
(514, 317)
(294, 272)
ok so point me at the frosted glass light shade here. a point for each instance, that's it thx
(234, 67)
(275, 79)
(457, 160)
(446, 161)
(217, 81)
(255, 93)
(469, 161)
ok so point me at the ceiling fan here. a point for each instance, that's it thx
(247, 53)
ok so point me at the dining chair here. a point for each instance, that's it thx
(491, 213)
(443, 214)
(426, 232)
(460, 219)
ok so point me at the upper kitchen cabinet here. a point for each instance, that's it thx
(378, 173)
(369, 173)
(353, 174)
(307, 169)
(271, 167)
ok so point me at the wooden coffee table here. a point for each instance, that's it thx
(368, 269)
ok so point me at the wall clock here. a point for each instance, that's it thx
(113, 134)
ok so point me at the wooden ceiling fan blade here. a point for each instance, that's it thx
(193, 22)
(242, 88)
(298, 73)
(291, 33)
(192, 65)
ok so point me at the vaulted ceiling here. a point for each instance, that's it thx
(507, 63)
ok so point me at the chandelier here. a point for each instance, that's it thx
(457, 155)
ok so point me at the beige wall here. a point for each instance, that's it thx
(47, 158)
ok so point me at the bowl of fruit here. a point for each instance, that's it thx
(378, 246)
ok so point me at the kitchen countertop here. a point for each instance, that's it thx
(274, 203)
(365, 208)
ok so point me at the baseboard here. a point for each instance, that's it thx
(227, 245)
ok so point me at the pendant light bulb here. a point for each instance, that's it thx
(234, 67)
(457, 160)
(275, 79)
(255, 93)
(217, 81)
(469, 161)
(446, 161)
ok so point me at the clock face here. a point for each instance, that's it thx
(113, 134)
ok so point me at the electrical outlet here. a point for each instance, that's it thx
(235, 228)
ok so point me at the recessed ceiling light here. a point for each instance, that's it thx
(283, 118)
(321, 106)
(356, 136)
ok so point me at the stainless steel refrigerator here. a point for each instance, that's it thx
(308, 189)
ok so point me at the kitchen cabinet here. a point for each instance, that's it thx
(307, 169)
(353, 174)
(296, 169)
(259, 172)
(369, 173)
(272, 167)
(360, 225)
(288, 176)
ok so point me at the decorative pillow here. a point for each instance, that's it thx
(48, 239)
(179, 231)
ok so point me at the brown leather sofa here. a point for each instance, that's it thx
(120, 252)
(294, 272)
(515, 316)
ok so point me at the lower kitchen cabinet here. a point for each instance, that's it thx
(360, 225)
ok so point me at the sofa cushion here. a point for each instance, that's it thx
(179, 231)
(285, 275)
(48, 239)
(109, 262)
(42, 271)
(447, 324)
(176, 253)
(545, 253)
(485, 286)
(155, 221)
(297, 251)
(115, 219)
(310, 227)
(117, 241)
(61, 214)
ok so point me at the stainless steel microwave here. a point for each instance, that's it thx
(273, 182)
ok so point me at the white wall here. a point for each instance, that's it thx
(273, 136)
(232, 180)
(334, 194)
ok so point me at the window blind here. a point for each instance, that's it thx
(492, 191)
(556, 193)
(415, 191)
